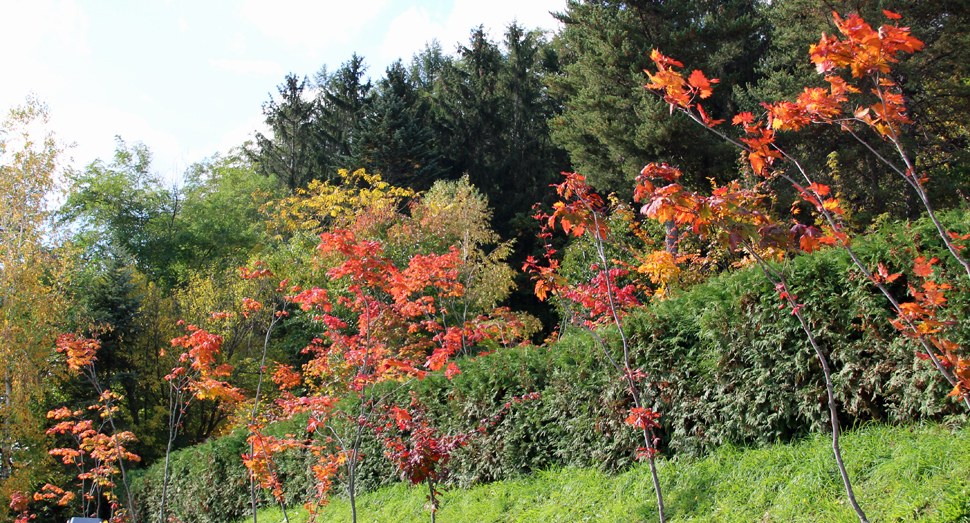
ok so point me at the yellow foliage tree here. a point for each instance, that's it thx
(322, 204)
(33, 296)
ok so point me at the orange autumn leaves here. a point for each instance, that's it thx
(867, 55)
(732, 215)
(200, 370)
(677, 91)
(919, 318)
(864, 51)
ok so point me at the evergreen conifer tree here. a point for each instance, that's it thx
(611, 125)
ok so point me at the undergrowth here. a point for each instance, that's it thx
(909, 473)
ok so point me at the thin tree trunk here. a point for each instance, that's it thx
(434, 500)
(779, 279)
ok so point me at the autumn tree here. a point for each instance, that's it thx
(100, 451)
(937, 102)
(457, 213)
(867, 57)
(602, 300)
(388, 310)
(394, 337)
(33, 297)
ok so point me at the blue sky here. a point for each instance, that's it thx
(188, 78)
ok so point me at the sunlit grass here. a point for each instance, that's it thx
(900, 474)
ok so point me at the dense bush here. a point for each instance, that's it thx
(208, 483)
(725, 366)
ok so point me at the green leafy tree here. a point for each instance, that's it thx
(211, 221)
(220, 223)
(125, 205)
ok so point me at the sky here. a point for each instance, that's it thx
(188, 78)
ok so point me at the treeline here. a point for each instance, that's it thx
(483, 112)
(453, 149)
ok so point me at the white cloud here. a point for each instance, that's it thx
(408, 34)
(311, 24)
(257, 67)
(236, 43)
(242, 132)
(93, 129)
(183, 25)
(495, 15)
(28, 24)
(40, 36)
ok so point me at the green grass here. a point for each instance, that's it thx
(917, 473)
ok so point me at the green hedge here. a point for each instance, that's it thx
(208, 483)
(725, 365)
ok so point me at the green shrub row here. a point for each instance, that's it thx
(208, 483)
(725, 365)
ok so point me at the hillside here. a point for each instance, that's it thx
(907, 473)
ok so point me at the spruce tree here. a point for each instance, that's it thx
(611, 125)
(345, 99)
(291, 155)
(395, 140)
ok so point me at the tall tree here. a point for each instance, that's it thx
(220, 222)
(293, 153)
(345, 98)
(208, 223)
(611, 125)
(490, 114)
(395, 141)
(124, 204)
(33, 300)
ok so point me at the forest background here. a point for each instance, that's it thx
(455, 150)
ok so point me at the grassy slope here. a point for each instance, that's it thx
(900, 474)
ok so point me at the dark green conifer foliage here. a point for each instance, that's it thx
(426, 67)
(467, 110)
(292, 154)
(345, 99)
(935, 87)
(490, 114)
(113, 304)
(395, 140)
(611, 125)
